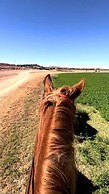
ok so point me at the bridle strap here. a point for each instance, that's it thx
(33, 177)
(29, 180)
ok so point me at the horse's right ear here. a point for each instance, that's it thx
(77, 89)
(48, 85)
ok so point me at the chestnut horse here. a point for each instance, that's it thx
(53, 169)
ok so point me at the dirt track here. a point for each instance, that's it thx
(11, 80)
(19, 92)
(14, 86)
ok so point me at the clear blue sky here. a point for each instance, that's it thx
(72, 33)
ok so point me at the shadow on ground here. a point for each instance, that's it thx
(82, 129)
(84, 185)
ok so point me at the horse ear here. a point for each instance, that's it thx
(76, 90)
(48, 85)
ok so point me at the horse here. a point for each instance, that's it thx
(53, 168)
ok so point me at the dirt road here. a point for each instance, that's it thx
(11, 80)
(19, 103)
(14, 86)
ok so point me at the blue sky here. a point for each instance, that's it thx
(72, 33)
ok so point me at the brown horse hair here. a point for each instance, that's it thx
(54, 161)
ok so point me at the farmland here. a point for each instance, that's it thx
(92, 131)
(96, 92)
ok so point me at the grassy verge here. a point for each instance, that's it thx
(92, 150)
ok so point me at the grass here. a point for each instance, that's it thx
(92, 131)
(93, 161)
(96, 92)
(92, 156)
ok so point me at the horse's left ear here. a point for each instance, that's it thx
(48, 85)
(76, 90)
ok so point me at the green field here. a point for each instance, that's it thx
(96, 92)
(92, 131)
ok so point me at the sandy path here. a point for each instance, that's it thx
(10, 81)
(14, 86)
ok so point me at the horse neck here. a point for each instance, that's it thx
(57, 120)
(55, 135)
(61, 135)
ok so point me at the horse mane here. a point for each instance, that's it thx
(54, 147)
